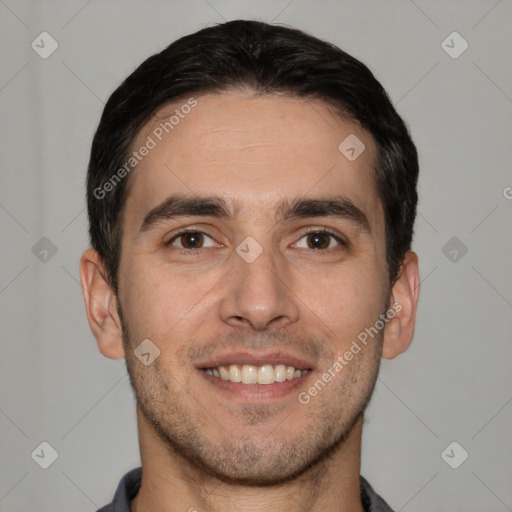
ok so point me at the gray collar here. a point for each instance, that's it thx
(130, 484)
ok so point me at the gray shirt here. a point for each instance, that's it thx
(130, 484)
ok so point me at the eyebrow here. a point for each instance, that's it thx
(179, 205)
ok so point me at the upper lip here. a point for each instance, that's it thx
(254, 359)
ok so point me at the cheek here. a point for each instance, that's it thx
(145, 300)
(160, 303)
(347, 298)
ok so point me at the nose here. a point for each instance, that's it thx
(259, 294)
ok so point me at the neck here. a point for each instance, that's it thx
(171, 483)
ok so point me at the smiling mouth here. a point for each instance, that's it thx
(250, 374)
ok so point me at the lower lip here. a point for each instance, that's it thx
(255, 392)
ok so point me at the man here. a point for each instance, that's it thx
(251, 197)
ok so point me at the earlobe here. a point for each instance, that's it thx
(100, 305)
(399, 331)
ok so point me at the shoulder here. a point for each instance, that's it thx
(126, 490)
(371, 501)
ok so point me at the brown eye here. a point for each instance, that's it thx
(320, 240)
(189, 240)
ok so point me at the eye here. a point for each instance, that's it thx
(190, 240)
(320, 239)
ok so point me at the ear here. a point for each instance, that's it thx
(100, 304)
(405, 292)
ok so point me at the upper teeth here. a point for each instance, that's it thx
(248, 374)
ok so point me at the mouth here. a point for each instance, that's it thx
(256, 377)
(250, 374)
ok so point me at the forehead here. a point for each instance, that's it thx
(257, 150)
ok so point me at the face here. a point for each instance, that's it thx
(275, 277)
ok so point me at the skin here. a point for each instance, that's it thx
(201, 447)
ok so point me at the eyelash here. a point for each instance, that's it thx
(302, 235)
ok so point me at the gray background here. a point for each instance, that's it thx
(454, 384)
